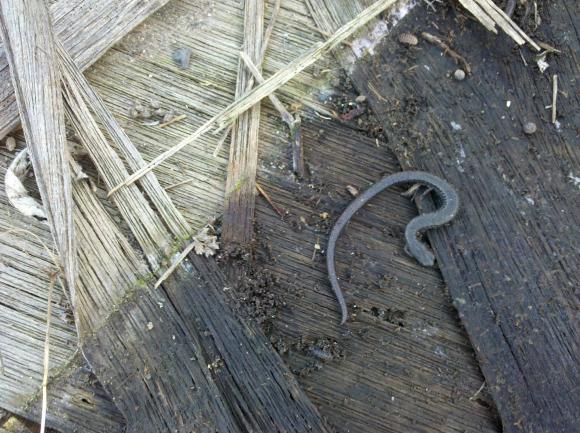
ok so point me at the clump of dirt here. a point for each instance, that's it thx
(252, 284)
(324, 349)
(317, 353)
(352, 109)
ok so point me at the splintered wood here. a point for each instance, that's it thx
(490, 15)
(238, 218)
(25, 30)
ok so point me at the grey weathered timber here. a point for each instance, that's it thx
(239, 202)
(29, 45)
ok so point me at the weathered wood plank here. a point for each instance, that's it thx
(28, 42)
(125, 347)
(88, 28)
(76, 400)
(239, 201)
(511, 257)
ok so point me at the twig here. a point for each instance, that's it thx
(554, 96)
(293, 123)
(175, 264)
(222, 140)
(173, 120)
(175, 185)
(232, 111)
(269, 200)
(447, 50)
(474, 396)
(46, 359)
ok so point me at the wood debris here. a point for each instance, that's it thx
(447, 50)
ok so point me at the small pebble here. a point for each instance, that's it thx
(10, 144)
(530, 128)
(155, 104)
(182, 56)
(459, 75)
(408, 39)
(360, 99)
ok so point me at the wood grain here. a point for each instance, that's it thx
(240, 196)
(29, 45)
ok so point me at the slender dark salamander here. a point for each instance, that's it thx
(422, 222)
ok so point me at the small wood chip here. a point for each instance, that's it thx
(352, 190)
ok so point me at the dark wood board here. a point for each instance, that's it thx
(511, 257)
(402, 363)
(180, 359)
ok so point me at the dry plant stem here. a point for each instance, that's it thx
(178, 184)
(293, 124)
(30, 50)
(554, 97)
(172, 121)
(261, 190)
(489, 14)
(222, 140)
(447, 50)
(232, 111)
